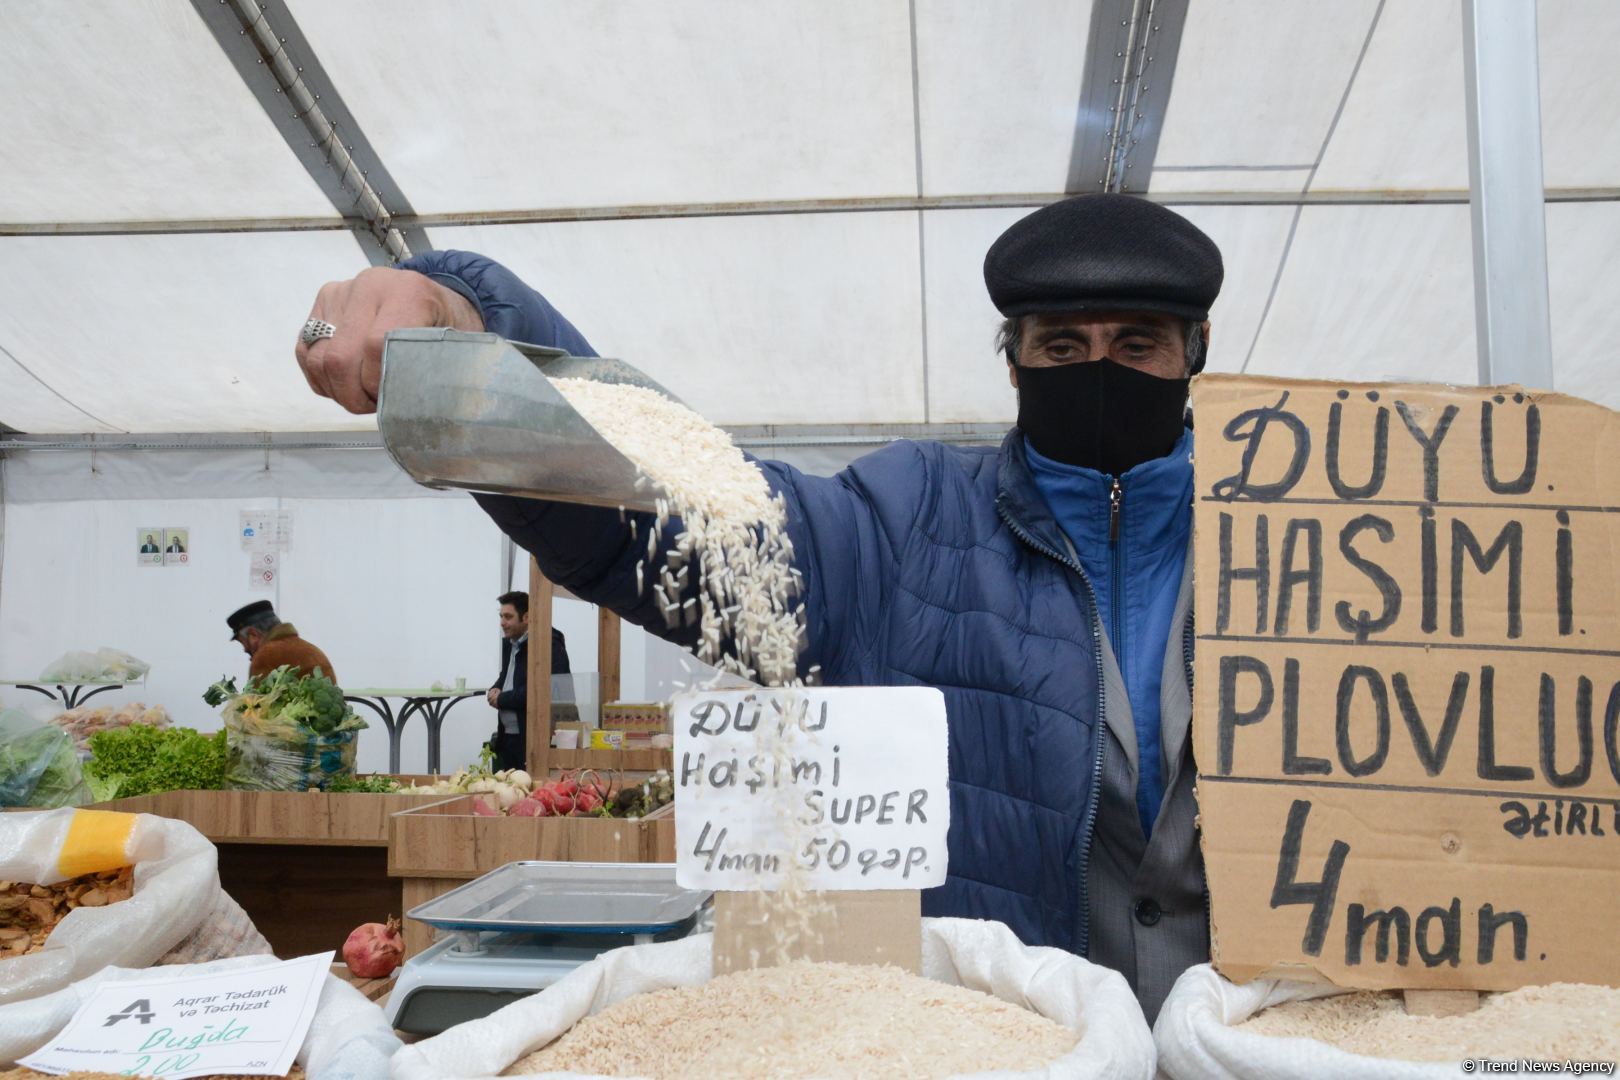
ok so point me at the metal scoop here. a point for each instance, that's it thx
(475, 411)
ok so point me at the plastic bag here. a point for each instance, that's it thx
(985, 956)
(103, 665)
(39, 765)
(294, 762)
(347, 1040)
(177, 895)
(270, 749)
(1197, 1036)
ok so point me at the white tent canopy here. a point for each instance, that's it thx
(777, 208)
(740, 196)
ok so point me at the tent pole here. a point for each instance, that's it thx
(1506, 199)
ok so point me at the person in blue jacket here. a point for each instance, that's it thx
(1043, 586)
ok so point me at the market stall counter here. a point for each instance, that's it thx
(307, 866)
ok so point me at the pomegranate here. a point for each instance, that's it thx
(373, 950)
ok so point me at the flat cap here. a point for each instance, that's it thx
(1104, 253)
(239, 618)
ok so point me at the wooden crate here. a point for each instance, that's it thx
(358, 819)
(307, 867)
(437, 847)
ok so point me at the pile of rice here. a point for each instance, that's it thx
(733, 529)
(733, 537)
(802, 1020)
(1549, 1023)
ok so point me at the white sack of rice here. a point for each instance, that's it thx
(1073, 1018)
(1213, 1029)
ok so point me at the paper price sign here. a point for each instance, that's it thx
(842, 789)
(247, 1021)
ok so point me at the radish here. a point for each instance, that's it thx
(482, 808)
(529, 807)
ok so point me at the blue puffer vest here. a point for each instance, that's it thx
(924, 564)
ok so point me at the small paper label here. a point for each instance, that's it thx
(263, 568)
(842, 788)
(249, 1021)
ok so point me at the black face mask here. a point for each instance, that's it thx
(1100, 415)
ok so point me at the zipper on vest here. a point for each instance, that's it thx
(1187, 657)
(1116, 574)
(1088, 825)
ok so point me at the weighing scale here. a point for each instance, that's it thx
(517, 930)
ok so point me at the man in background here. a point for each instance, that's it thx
(510, 694)
(271, 643)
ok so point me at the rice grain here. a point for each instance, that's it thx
(806, 1020)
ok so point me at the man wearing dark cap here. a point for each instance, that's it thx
(1043, 586)
(271, 643)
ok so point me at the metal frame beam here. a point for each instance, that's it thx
(1131, 52)
(543, 216)
(749, 437)
(269, 51)
(1503, 84)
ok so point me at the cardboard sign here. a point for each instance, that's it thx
(836, 789)
(248, 1021)
(1408, 683)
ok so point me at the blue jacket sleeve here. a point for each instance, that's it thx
(842, 544)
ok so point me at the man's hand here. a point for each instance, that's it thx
(347, 367)
(492, 694)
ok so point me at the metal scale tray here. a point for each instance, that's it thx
(519, 929)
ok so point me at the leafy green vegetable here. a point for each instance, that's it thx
(215, 695)
(143, 760)
(284, 697)
(376, 784)
(38, 765)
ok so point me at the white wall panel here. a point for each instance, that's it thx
(25, 398)
(1251, 239)
(1583, 271)
(1404, 126)
(1374, 292)
(999, 93)
(575, 103)
(169, 333)
(1256, 83)
(1580, 92)
(127, 110)
(967, 380)
(810, 318)
(1197, 179)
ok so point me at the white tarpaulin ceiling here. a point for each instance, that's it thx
(777, 209)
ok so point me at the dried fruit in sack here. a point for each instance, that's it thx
(29, 912)
(374, 950)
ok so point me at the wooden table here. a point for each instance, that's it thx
(71, 694)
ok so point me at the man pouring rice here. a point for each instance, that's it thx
(1044, 586)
